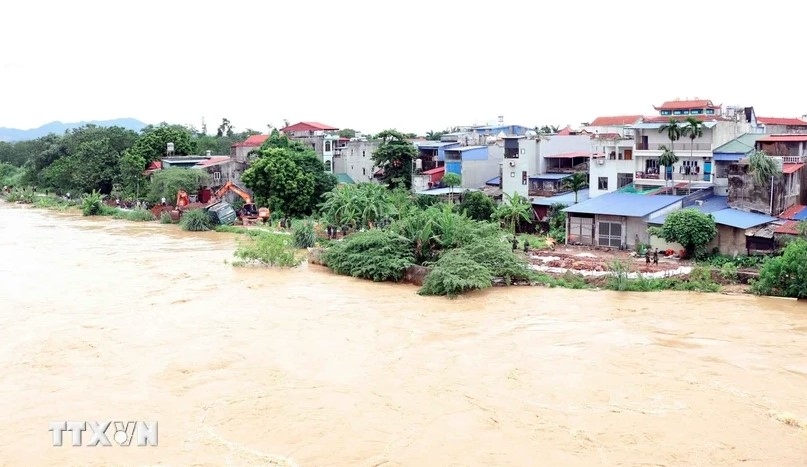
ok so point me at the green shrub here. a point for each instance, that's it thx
(195, 220)
(786, 275)
(268, 249)
(454, 273)
(92, 204)
(165, 218)
(498, 257)
(303, 234)
(729, 272)
(51, 202)
(379, 255)
(135, 215)
(24, 195)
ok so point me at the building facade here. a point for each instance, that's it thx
(474, 164)
(355, 158)
(314, 135)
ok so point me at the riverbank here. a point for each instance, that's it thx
(560, 266)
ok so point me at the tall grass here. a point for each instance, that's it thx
(268, 249)
(24, 195)
(195, 220)
(304, 235)
(135, 215)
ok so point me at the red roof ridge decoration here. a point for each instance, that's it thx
(309, 126)
(615, 120)
(682, 118)
(687, 104)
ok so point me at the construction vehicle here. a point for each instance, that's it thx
(249, 213)
(182, 203)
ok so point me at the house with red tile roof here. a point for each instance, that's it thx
(774, 125)
(322, 138)
(694, 169)
(241, 150)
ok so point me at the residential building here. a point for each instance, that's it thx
(612, 164)
(537, 165)
(791, 148)
(733, 228)
(731, 153)
(694, 168)
(773, 198)
(541, 205)
(240, 151)
(616, 220)
(221, 169)
(772, 125)
(432, 153)
(474, 164)
(354, 159)
(315, 135)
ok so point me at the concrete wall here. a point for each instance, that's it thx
(356, 160)
(729, 241)
(230, 171)
(476, 172)
(745, 195)
(609, 169)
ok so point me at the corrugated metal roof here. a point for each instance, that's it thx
(344, 178)
(791, 212)
(740, 145)
(434, 144)
(494, 181)
(566, 199)
(624, 204)
(434, 171)
(465, 148)
(740, 219)
(445, 191)
(550, 176)
(801, 215)
(791, 168)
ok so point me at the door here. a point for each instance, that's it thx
(645, 143)
(628, 154)
(707, 171)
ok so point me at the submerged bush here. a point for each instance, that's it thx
(268, 249)
(195, 220)
(304, 235)
(135, 215)
(92, 204)
(21, 195)
(379, 255)
(165, 218)
(454, 273)
(51, 202)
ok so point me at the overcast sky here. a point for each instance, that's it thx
(413, 65)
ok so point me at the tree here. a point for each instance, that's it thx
(689, 227)
(693, 128)
(667, 159)
(435, 135)
(395, 156)
(225, 129)
(786, 275)
(167, 182)
(763, 168)
(576, 182)
(673, 130)
(451, 180)
(154, 140)
(477, 206)
(547, 129)
(280, 182)
(347, 133)
(516, 209)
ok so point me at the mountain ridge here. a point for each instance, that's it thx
(11, 135)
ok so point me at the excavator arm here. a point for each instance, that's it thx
(230, 186)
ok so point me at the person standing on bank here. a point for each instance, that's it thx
(655, 257)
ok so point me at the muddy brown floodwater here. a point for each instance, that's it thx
(109, 320)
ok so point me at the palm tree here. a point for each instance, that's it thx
(667, 160)
(673, 130)
(516, 208)
(694, 129)
(576, 182)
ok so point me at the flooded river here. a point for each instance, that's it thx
(108, 320)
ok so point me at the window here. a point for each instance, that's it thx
(364, 171)
(623, 179)
(363, 154)
(314, 146)
(216, 177)
(697, 112)
(327, 146)
(710, 111)
(651, 164)
(610, 234)
(581, 230)
(328, 166)
(666, 112)
(602, 183)
(524, 177)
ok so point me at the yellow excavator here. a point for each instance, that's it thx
(249, 213)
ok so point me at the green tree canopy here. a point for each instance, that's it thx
(689, 228)
(786, 275)
(154, 140)
(477, 206)
(167, 182)
(394, 156)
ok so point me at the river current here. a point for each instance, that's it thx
(103, 319)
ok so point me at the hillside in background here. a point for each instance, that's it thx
(15, 134)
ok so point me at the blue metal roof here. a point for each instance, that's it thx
(494, 181)
(801, 215)
(566, 199)
(624, 204)
(710, 204)
(725, 216)
(435, 144)
(466, 148)
(740, 219)
(550, 176)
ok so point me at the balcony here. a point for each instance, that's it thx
(677, 147)
(794, 159)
